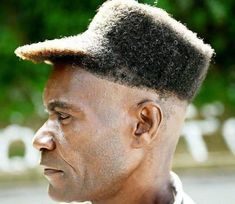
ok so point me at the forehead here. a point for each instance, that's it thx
(77, 86)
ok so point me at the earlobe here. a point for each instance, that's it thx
(149, 115)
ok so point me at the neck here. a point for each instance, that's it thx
(143, 186)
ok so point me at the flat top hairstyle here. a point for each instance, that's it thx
(133, 44)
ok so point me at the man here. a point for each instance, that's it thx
(116, 100)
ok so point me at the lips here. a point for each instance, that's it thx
(49, 171)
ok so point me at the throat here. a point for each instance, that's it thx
(159, 193)
(162, 195)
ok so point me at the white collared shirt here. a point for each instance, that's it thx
(180, 197)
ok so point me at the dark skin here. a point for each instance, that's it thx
(106, 142)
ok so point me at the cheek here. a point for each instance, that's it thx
(109, 163)
(107, 152)
(96, 150)
(105, 163)
(70, 147)
(104, 149)
(102, 157)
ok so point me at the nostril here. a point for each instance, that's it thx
(42, 149)
(44, 142)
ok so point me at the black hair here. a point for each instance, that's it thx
(134, 44)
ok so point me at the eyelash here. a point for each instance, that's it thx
(62, 116)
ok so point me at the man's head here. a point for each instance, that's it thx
(99, 133)
(116, 100)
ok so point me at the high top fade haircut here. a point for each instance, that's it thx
(136, 45)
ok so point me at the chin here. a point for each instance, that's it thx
(58, 194)
(63, 195)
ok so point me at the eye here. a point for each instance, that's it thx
(63, 117)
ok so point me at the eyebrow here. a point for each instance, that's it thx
(63, 105)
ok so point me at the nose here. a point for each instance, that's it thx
(44, 139)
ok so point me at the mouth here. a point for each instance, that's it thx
(51, 172)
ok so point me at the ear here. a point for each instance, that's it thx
(149, 118)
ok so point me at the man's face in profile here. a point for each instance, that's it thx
(86, 143)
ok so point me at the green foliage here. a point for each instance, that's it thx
(16, 149)
(28, 21)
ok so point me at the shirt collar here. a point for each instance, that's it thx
(180, 196)
(177, 188)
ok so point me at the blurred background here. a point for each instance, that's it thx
(205, 156)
